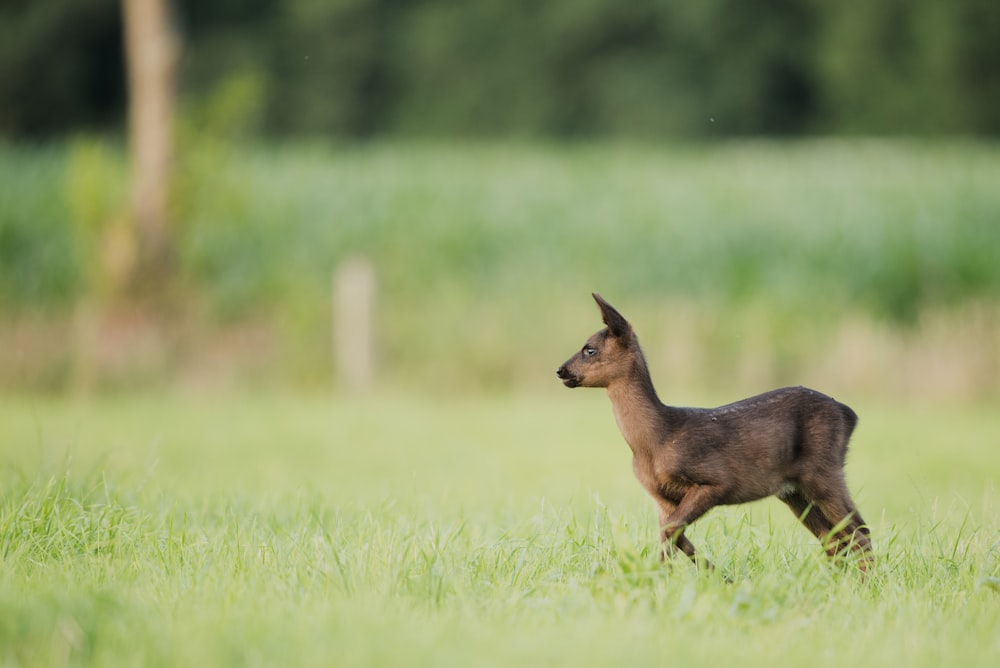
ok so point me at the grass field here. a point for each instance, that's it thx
(456, 531)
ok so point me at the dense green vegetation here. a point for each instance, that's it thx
(470, 242)
(890, 227)
(162, 530)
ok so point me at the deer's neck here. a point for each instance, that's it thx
(638, 410)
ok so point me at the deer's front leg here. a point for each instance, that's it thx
(674, 519)
(671, 541)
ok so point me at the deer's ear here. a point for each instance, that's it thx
(616, 322)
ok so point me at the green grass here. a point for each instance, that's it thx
(396, 530)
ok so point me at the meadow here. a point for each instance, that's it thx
(446, 530)
(229, 504)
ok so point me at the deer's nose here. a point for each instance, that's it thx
(561, 371)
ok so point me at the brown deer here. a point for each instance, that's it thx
(790, 443)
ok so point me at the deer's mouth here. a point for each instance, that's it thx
(571, 381)
(567, 377)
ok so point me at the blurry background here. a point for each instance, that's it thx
(774, 192)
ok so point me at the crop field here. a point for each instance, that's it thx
(742, 253)
(445, 530)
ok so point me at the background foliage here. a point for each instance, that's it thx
(486, 253)
(494, 157)
(651, 68)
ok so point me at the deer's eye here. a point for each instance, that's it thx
(589, 351)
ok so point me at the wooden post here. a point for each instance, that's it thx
(354, 324)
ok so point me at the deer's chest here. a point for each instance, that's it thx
(659, 478)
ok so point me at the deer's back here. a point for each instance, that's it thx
(777, 435)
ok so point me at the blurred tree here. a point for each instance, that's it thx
(330, 67)
(60, 66)
(749, 66)
(978, 24)
(152, 51)
(891, 67)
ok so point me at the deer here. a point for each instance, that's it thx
(790, 443)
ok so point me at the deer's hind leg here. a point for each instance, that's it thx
(827, 510)
(811, 518)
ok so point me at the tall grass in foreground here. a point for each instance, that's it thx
(166, 531)
(91, 580)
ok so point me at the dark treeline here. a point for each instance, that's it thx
(562, 68)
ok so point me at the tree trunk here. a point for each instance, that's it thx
(151, 51)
